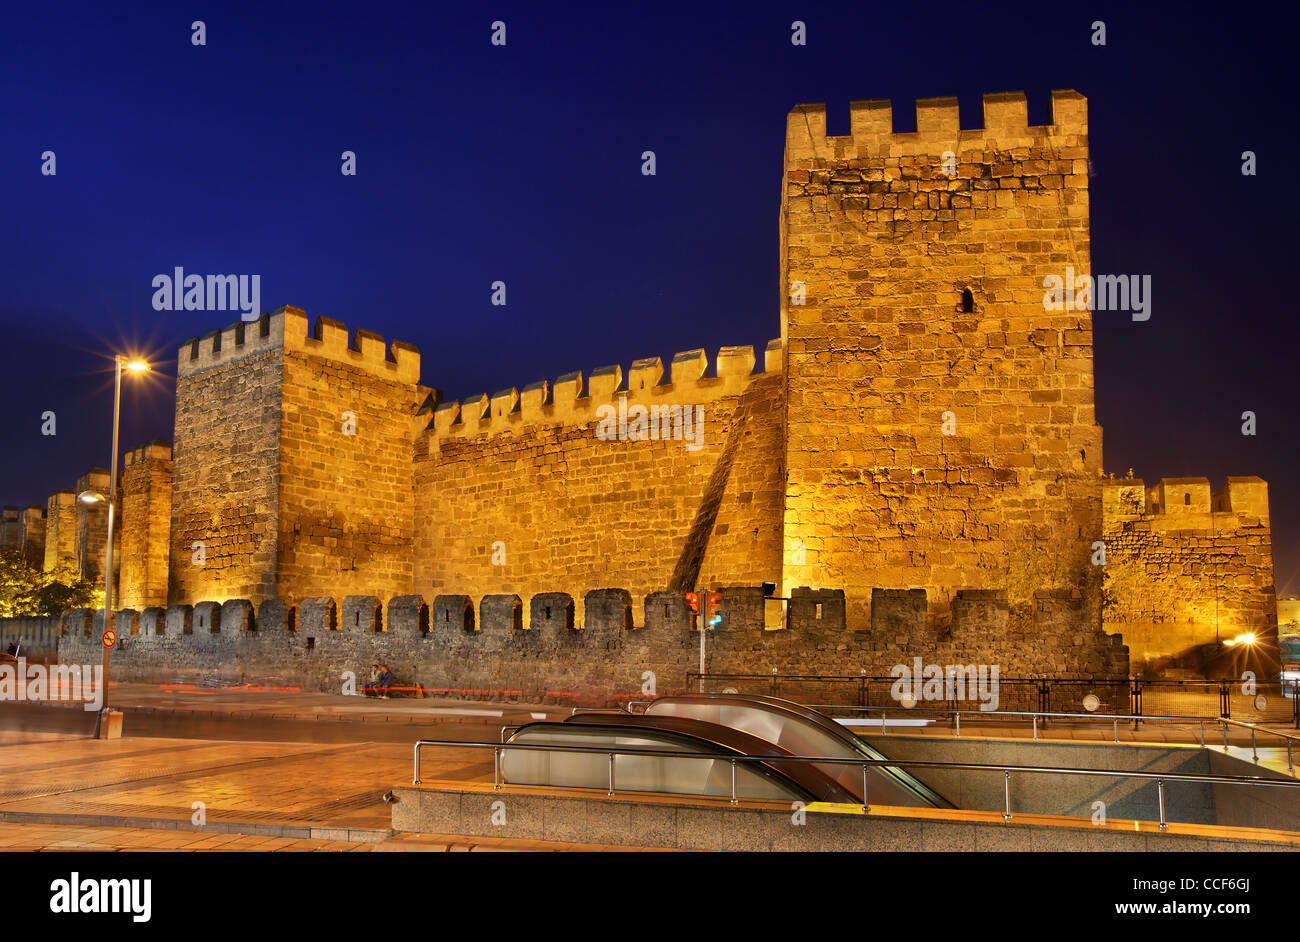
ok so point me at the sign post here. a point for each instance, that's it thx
(704, 628)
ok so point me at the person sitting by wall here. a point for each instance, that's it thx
(385, 681)
(371, 687)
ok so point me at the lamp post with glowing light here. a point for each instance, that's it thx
(133, 365)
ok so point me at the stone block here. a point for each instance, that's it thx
(815, 610)
(153, 622)
(452, 615)
(408, 615)
(207, 618)
(275, 616)
(237, 617)
(607, 615)
(317, 616)
(551, 613)
(180, 620)
(363, 614)
(503, 614)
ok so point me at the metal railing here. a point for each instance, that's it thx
(1160, 778)
(1040, 719)
(1118, 696)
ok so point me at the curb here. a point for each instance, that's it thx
(297, 831)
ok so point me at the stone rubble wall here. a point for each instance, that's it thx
(531, 651)
(1185, 567)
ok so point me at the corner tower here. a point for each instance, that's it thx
(940, 430)
(292, 463)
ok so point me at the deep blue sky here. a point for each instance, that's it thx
(522, 163)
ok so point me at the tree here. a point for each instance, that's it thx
(26, 592)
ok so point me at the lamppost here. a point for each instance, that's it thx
(133, 365)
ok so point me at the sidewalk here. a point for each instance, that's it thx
(291, 704)
(255, 764)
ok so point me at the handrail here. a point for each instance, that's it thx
(1224, 722)
(1159, 777)
(1061, 681)
(1132, 686)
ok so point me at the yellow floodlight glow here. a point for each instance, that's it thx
(137, 365)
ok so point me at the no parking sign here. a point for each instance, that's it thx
(109, 638)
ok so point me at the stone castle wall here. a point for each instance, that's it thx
(226, 463)
(884, 244)
(60, 532)
(146, 525)
(922, 437)
(10, 527)
(31, 536)
(90, 528)
(346, 499)
(520, 493)
(267, 476)
(1185, 568)
(532, 650)
(38, 637)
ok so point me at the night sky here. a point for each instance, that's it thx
(478, 163)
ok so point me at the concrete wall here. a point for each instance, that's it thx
(566, 815)
(1071, 795)
(1252, 806)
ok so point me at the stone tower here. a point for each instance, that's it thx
(939, 430)
(292, 462)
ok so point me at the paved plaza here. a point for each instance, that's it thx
(285, 770)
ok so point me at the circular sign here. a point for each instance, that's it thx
(1091, 703)
(907, 702)
(109, 638)
(1261, 703)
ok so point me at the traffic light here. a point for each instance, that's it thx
(711, 616)
(693, 602)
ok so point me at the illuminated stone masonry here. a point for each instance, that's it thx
(920, 445)
(531, 649)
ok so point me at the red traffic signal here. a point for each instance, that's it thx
(693, 601)
(711, 616)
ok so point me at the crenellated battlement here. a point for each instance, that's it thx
(1179, 501)
(899, 617)
(575, 399)
(938, 128)
(156, 450)
(235, 342)
(287, 328)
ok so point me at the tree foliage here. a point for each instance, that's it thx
(26, 592)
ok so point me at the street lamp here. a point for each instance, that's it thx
(137, 366)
